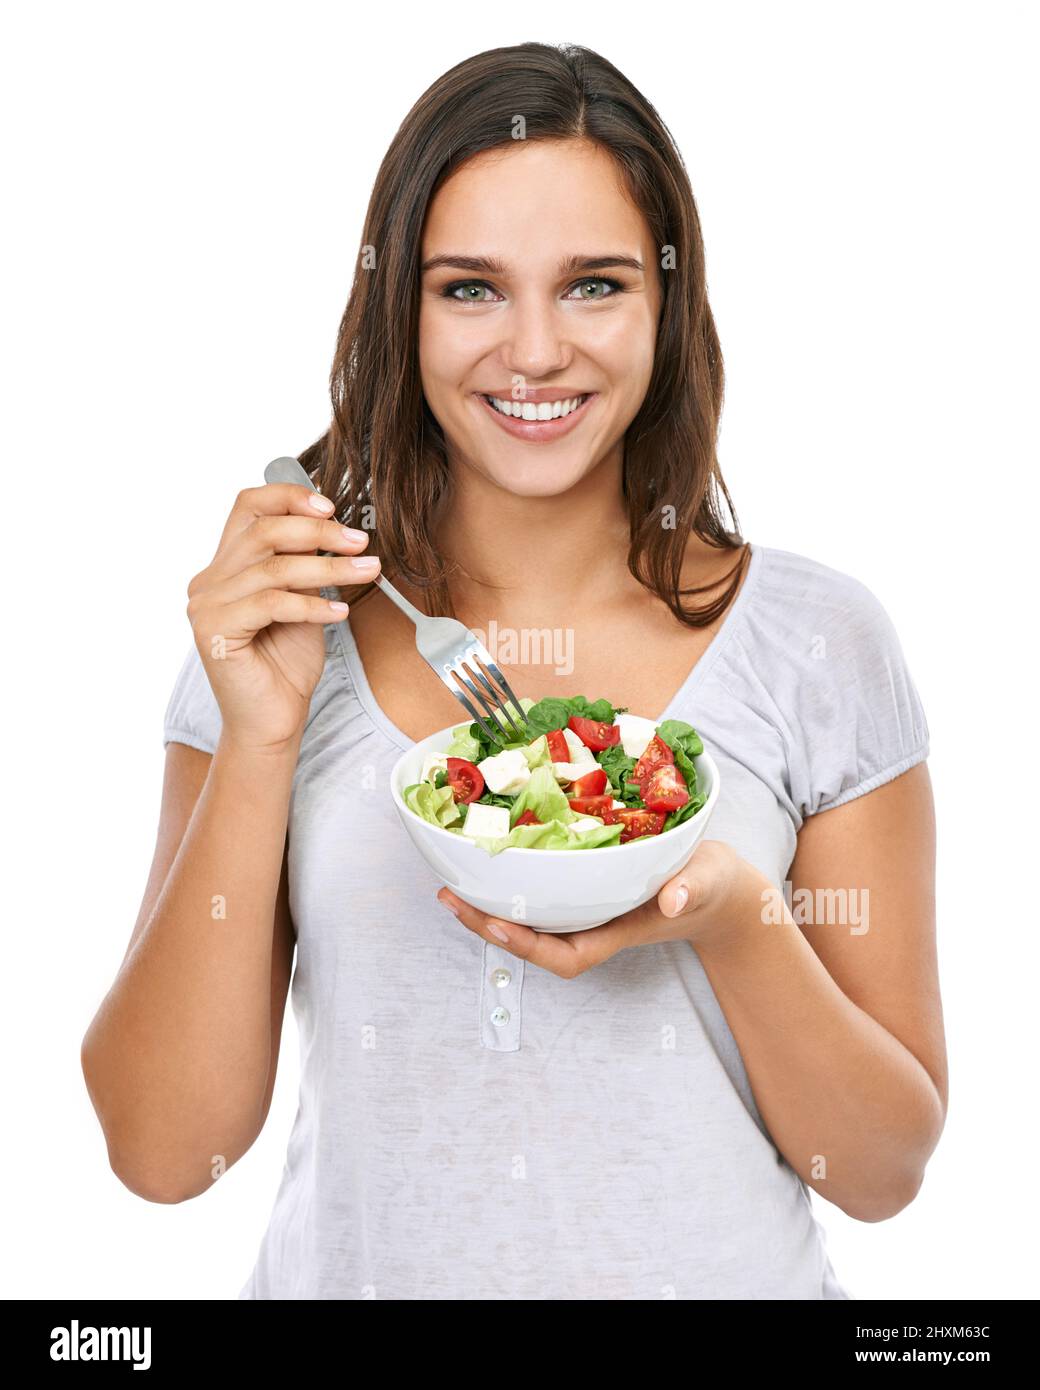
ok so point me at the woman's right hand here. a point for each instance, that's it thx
(257, 617)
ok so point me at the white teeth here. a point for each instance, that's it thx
(526, 410)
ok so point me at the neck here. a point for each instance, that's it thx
(540, 554)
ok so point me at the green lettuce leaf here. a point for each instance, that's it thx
(434, 804)
(553, 834)
(536, 753)
(544, 796)
(463, 744)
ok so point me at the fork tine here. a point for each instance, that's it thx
(492, 735)
(460, 671)
(498, 705)
(509, 694)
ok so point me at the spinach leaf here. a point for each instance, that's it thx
(617, 765)
(554, 712)
(494, 799)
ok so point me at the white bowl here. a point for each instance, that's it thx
(557, 890)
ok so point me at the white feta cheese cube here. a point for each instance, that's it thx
(491, 821)
(570, 772)
(432, 763)
(505, 773)
(636, 733)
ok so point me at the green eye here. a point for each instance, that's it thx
(583, 285)
(451, 291)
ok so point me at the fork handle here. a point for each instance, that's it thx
(407, 608)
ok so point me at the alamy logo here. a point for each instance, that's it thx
(77, 1343)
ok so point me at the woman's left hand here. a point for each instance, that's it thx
(701, 900)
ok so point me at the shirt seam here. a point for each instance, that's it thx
(877, 779)
(173, 734)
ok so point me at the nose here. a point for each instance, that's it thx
(535, 343)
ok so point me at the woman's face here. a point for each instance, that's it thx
(550, 317)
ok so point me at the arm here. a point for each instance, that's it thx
(181, 1056)
(840, 1029)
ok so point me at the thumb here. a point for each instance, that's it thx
(698, 881)
(680, 894)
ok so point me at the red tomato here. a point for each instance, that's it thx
(465, 779)
(592, 806)
(528, 818)
(634, 823)
(656, 755)
(558, 750)
(592, 784)
(665, 789)
(594, 735)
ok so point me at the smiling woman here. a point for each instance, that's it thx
(535, 240)
(526, 398)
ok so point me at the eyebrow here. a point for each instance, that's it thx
(491, 265)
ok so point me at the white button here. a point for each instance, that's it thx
(501, 978)
(499, 1017)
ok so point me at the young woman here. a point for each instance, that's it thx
(635, 1111)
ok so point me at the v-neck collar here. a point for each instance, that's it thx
(697, 674)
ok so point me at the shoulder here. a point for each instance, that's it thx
(828, 665)
(804, 613)
(798, 583)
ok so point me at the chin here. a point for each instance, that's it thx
(541, 477)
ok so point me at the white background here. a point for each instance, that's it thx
(185, 186)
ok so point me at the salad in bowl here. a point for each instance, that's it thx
(587, 775)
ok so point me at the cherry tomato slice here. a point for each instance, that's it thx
(465, 779)
(635, 823)
(558, 750)
(665, 789)
(593, 734)
(656, 755)
(591, 806)
(592, 784)
(528, 818)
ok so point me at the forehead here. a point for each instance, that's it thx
(535, 199)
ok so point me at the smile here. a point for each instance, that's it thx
(538, 423)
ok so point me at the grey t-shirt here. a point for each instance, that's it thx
(604, 1142)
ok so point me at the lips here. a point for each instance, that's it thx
(539, 431)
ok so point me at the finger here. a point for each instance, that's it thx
(564, 953)
(310, 572)
(273, 535)
(274, 499)
(268, 536)
(237, 623)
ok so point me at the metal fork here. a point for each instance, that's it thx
(447, 646)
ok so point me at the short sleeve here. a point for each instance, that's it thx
(192, 715)
(861, 720)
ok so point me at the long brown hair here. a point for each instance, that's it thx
(383, 458)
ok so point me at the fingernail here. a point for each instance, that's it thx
(321, 504)
(681, 897)
(365, 562)
(450, 906)
(352, 534)
(496, 930)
